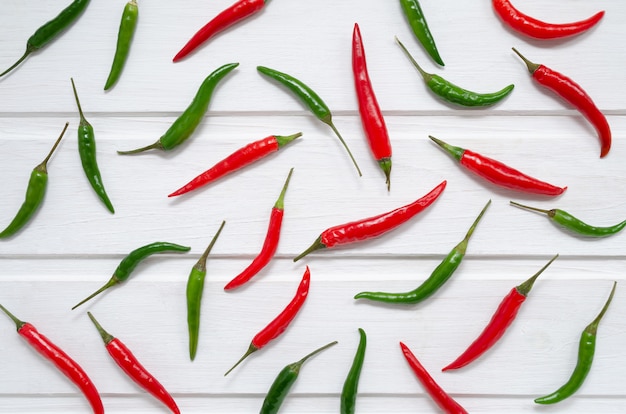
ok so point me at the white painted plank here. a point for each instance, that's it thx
(473, 42)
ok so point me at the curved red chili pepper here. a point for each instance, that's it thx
(238, 159)
(60, 359)
(569, 90)
(371, 116)
(538, 29)
(500, 321)
(372, 226)
(443, 400)
(497, 172)
(233, 14)
(269, 246)
(125, 359)
(280, 322)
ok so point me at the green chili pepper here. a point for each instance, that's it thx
(124, 38)
(187, 122)
(454, 94)
(586, 350)
(195, 286)
(311, 99)
(283, 382)
(50, 30)
(35, 192)
(437, 278)
(351, 384)
(570, 222)
(130, 262)
(417, 21)
(87, 151)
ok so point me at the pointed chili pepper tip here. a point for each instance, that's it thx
(532, 67)
(317, 244)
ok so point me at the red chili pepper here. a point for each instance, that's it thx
(233, 14)
(569, 90)
(125, 359)
(538, 29)
(500, 321)
(443, 400)
(269, 246)
(371, 116)
(280, 322)
(497, 172)
(60, 359)
(238, 159)
(372, 226)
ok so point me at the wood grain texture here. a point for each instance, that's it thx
(72, 245)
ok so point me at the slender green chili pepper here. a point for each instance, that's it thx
(87, 151)
(50, 30)
(35, 192)
(189, 120)
(311, 99)
(455, 94)
(437, 278)
(130, 262)
(124, 38)
(351, 384)
(284, 381)
(570, 222)
(417, 21)
(195, 286)
(586, 350)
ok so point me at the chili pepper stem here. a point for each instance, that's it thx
(106, 337)
(385, 165)
(462, 246)
(18, 323)
(29, 50)
(532, 67)
(455, 152)
(328, 121)
(112, 282)
(280, 202)
(525, 287)
(80, 109)
(250, 350)
(43, 167)
(425, 75)
(283, 140)
(592, 328)
(513, 203)
(317, 244)
(201, 263)
(298, 364)
(156, 145)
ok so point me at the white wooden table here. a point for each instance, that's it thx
(73, 244)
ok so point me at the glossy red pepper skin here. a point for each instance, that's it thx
(499, 173)
(371, 227)
(60, 359)
(240, 158)
(127, 361)
(443, 400)
(575, 95)
(538, 29)
(499, 323)
(269, 245)
(280, 323)
(371, 115)
(233, 14)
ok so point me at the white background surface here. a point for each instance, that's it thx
(73, 244)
